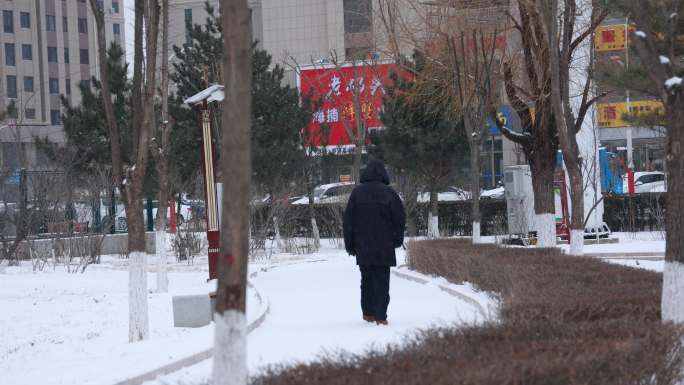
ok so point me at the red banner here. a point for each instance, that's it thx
(335, 89)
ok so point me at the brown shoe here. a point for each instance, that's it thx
(383, 323)
(369, 318)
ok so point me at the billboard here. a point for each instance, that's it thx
(610, 114)
(611, 37)
(335, 88)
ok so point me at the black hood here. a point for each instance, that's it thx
(375, 172)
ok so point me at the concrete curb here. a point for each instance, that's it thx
(484, 310)
(201, 356)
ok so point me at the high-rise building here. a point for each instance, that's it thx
(48, 48)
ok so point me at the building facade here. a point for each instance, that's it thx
(47, 49)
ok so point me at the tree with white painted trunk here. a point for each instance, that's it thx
(230, 335)
(160, 149)
(539, 136)
(571, 24)
(657, 44)
(130, 171)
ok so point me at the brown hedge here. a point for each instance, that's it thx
(563, 320)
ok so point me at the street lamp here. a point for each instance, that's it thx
(201, 102)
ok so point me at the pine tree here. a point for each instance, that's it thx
(420, 140)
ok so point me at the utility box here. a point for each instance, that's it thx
(519, 199)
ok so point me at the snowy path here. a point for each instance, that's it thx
(58, 328)
(315, 309)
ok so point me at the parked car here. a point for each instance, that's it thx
(646, 182)
(329, 193)
(495, 193)
(451, 194)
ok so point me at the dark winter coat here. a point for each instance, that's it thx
(374, 220)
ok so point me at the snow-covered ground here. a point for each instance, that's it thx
(59, 328)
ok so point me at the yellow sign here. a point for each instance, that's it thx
(610, 37)
(610, 114)
(345, 178)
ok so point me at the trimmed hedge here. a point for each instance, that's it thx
(454, 219)
(563, 320)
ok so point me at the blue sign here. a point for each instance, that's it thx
(505, 113)
(14, 179)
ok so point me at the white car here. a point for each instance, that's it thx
(496, 193)
(451, 194)
(646, 182)
(329, 193)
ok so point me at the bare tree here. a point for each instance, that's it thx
(230, 343)
(160, 147)
(657, 43)
(130, 178)
(569, 31)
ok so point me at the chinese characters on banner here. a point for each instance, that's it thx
(334, 88)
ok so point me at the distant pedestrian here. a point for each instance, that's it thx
(374, 223)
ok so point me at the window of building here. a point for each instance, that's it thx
(82, 25)
(28, 83)
(27, 52)
(85, 84)
(357, 16)
(10, 58)
(25, 20)
(11, 86)
(66, 55)
(65, 24)
(54, 86)
(84, 56)
(115, 6)
(67, 85)
(100, 5)
(30, 113)
(50, 23)
(52, 54)
(55, 117)
(117, 28)
(188, 26)
(8, 21)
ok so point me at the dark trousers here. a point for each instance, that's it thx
(375, 291)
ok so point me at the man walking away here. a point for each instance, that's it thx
(374, 224)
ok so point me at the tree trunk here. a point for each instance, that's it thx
(433, 215)
(230, 341)
(475, 187)
(358, 155)
(544, 203)
(314, 225)
(162, 160)
(673, 277)
(138, 325)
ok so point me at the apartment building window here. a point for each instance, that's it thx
(28, 83)
(30, 113)
(82, 25)
(117, 28)
(25, 20)
(357, 16)
(55, 117)
(100, 5)
(65, 24)
(188, 26)
(66, 55)
(85, 84)
(115, 6)
(11, 86)
(10, 58)
(84, 56)
(54, 86)
(52, 54)
(50, 23)
(67, 85)
(8, 21)
(27, 52)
